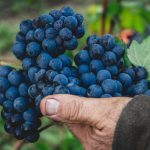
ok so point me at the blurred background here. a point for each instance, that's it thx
(126, 19)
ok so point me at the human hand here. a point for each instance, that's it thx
(92, 120)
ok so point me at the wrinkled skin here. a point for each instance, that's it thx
(92, 121)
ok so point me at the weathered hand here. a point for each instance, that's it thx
(92, 120)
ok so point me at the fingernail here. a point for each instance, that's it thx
(52, 106)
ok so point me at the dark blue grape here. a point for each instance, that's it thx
(39, 34)
(74, 81)
(119, 50)
(21, 104)
(23, 89)
(33, 91)
(31, 73)
(27, 63)
(94, 91)
(80, 31)
(109, 86)
(49, 45)
(45, 19)
(96, 51)
(108, 41)
(71, 22)
(141, 87)
(4, 84)
(48, 90)
(50, 33)
(4, 71)
(58, 25)
(12, 93)
(103, 75)
(19, 49)
(88, 79)
(92, 40)
(61, 79)
(82, 57)
(66, 60)
(30, 36)
(6, 115)
(140, 73)
(119, 86)
(76, 90)
(8, 106)
(67, 11)
(25, 26)
(40, 75)
(16, 119)
(96, 65)
(79, 19)
(20, 37)
(56, 14)
(71, 44)
(8, 128)
(109, 58)
(50, 74)
(130, 72)
(33, 49)
(66, 71)
(65, 34)
(56, 64)
(33, 137)
(43, 60)
(83, 69)
(125, 79)
(30, 115)
(18, 133)
(15, 77)
(113, 70)
(2, 98)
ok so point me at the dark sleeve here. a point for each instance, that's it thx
(133, 128)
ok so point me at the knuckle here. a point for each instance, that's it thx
(72, 110)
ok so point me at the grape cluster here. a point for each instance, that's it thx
(49, 34)
(19, 112)
(103, 73)
(41, 45)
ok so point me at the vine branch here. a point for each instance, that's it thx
(103, 17)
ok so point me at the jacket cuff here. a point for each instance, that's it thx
(133, 127)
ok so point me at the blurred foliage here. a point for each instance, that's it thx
(7, 35)
(134, 15)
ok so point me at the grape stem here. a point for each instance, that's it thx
(20, 144)
(47, 126)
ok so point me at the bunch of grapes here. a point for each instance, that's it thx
(19, 112)
(48, 35)
(40, 45)
(103, 73)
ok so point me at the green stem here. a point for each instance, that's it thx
(47, 126)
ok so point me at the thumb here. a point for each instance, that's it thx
(72, 109)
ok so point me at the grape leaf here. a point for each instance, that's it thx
(139, 54)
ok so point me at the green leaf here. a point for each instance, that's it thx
(139, 54)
